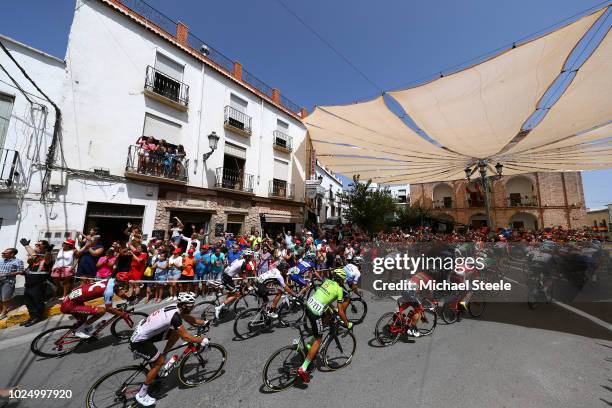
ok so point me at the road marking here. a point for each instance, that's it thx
(579, 312)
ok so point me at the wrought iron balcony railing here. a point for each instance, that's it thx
(282, 189)
(166, 86)
(237, 120)
(283, 140)
(443, 203)
(156, 165)
(10, 165)
(233, 179)
(524, 201)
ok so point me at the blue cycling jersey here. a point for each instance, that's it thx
(109, 292)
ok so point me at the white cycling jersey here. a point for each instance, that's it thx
(271, 275)
(352, 273)
(234, 267)
(158, 322)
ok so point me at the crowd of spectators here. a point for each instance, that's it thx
(159, 158)
(160, 268)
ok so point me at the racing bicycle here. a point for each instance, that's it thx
(392, 325)
(336, 352)
(61, 340)
(196, 365)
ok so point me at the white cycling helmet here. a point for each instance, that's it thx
(247, 252)
(186, 297)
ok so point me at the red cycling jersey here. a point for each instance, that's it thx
(88, 291)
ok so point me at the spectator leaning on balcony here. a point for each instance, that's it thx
(9, 268)
(36, 275)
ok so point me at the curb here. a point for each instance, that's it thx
(20, 315)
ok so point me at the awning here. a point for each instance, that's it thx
(282, 219)
(478, 113)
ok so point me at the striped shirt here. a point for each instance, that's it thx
(9, 267)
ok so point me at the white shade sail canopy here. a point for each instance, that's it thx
(479, 113)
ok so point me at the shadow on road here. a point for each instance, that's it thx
(546, 317)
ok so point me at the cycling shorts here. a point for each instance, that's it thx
(228, 282)
(315, 323)
(70, 307)
(299, 279)
(147, 349)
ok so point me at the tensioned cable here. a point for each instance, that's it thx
(328, 44)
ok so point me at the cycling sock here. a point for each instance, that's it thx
(305, 364)
(143, 390)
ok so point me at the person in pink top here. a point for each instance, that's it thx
(106, 264)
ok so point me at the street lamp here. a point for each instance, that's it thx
(485, 181)
(213, 139)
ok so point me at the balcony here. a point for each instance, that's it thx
(233, 179)
(156, 166)
(10, 165)
(282, 142)
(522, 201)
(282, 189)
(443, 203)
(476, 202)
(236, 121)
(166, 89)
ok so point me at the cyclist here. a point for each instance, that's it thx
(353, 273)
(317, 309)
(274, 277)
(74, 303)
(296, 274)
(165, 323)
(414, 297)
(239, 267)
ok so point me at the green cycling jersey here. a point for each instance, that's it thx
(324, 295)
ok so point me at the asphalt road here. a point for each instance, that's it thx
(510, 357)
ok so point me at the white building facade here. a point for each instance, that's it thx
(127, 84)
(329, 206)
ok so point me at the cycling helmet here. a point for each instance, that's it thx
(340, 274)
(122, 277)
(247, 252)
(358, 260)
(282, 266)
(186, 297)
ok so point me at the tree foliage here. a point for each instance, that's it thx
(370, 209)
(410, 216)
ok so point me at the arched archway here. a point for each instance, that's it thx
(520, 192)
(524, 221)
(443, 196)
(478, 220)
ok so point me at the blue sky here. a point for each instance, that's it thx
(393, 42)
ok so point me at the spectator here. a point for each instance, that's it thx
(188, 271)
(106, 264)
(137, 267)
(233, 254)
(217, 261)
(255, 239)
(10, 266)
(36, 275)
(202, 266)
(160, 266)
(175, 267)
(89, 254)
(63, 268)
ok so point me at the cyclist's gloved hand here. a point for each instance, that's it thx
(205, 342)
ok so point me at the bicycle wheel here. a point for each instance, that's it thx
(249, 323)
(449, 315)
(122, 330)
(356, 310)
(427, 322)
(338, 350)
(202, 366)
(117, 388)
(204, 310)
(476, 306)
(388, 329)
(55, 342)
(246, 301)
(291, 313)
(280, 371)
